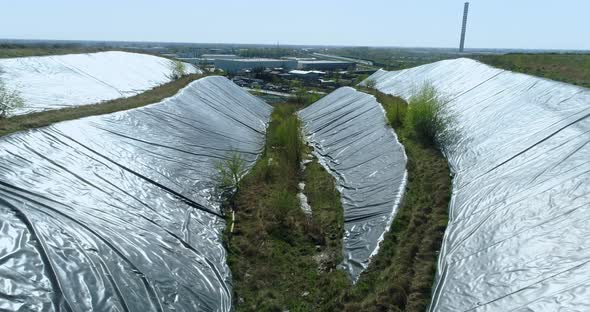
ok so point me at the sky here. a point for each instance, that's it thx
(512, 24)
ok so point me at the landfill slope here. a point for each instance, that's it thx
(351, 139)
(518, 237)
(59, 81)
(116, 212)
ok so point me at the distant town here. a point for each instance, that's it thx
(275, 73)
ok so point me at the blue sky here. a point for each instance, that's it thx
(530, 24)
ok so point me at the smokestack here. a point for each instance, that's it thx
(463, 29)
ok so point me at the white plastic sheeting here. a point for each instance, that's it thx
(518, 237)
(51, 82)
(116, 213)
(352, 140)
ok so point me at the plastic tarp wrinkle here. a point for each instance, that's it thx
(518, 236)
(351, 139)
(116, 212)
(58, 81)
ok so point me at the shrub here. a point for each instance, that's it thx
(428, 120)
(9, 100)
(228, 175)
(178, 69)
(370, 83)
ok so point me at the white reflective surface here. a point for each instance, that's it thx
(518, 237)
(115, 212)
(58, 81)
(352, 140)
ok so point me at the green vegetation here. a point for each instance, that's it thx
(8, 50)
(229, 173)
(9, 100)
(400, 277)
(370, 84)
(46, 118)
(282, 259)
(305, 97)
(395, 108)
(567, 67)
(177, 69)
(395, 58)
(570, 68)
(16, 50)
(427, 120)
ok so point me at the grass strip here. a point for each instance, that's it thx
(281, 258)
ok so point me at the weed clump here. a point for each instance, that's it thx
(370, 83)
(427, 118)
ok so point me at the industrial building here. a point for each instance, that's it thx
(325, 65)
(219, 56)
(236, 65)
(307, 74)
(190, 60)
(299, 58)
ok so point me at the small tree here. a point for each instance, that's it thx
(229, 174)
(178, 69)
(370, 83)
(9, 100)
(227, 179)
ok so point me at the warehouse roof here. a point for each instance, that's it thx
(258, 60)
(305, 72)
(324, 62)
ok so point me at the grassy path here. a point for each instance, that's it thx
(281, 258)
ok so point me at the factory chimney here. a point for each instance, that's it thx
(463, 29)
